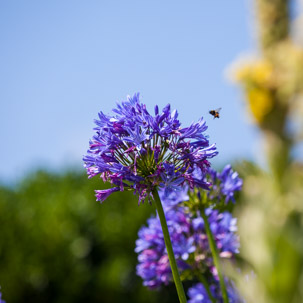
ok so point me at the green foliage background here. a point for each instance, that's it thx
(58, 244)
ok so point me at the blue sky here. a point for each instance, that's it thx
(61, 62)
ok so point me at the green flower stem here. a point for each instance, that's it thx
(169, 248)
(214, 251)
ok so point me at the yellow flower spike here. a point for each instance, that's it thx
(242, 73)
(261, 72)
(257, 72)
(260, 103)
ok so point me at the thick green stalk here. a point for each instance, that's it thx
(169, 248)
(273, 21)
(215, 254)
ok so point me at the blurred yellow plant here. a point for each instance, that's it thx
(258, 81)
(270, 215)
(260, 102)
(259, 72)
(275, 78)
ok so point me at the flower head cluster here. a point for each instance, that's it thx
(189, 241)
(198, 293)
(137, 151)
(224, 184)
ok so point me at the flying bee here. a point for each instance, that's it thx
(215, 112)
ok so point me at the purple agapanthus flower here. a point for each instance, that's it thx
(153, 260)
(224, 184)
(198, 293)
(1, 300)
(135, 150)
(189, 241)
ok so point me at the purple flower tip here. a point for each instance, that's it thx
(198, 293)
(1, 300)
(102, 195)
(224, 184)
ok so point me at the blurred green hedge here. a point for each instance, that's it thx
(58, 244)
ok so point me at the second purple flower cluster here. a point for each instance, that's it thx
(189, 239)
